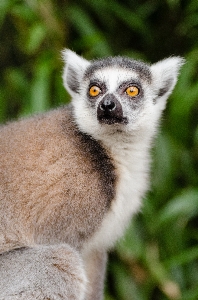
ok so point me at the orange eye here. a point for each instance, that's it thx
(94, 91)
(132, 91)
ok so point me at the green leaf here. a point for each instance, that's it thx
(183, 207)
(40, 90)
(185, 257)
(37, 34)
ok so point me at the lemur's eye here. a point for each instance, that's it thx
(94, 91)
(132, 91)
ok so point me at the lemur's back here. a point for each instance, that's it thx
(51, 179)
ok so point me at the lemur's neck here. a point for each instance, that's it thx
(131, 160)
(126, 143)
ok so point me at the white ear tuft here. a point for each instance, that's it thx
(165, 75)
(73, 70)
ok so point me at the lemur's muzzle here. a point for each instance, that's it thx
(110, 111)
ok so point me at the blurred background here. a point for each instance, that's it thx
(158, 257)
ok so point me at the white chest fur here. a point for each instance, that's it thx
(132, 164)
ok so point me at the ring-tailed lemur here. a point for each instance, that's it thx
(71, 178)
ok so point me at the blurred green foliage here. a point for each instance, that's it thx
(158, 257)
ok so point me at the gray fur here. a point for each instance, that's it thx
(43, 272)
(163, 90)
(95, 268)
(72, 80)
(119, 62)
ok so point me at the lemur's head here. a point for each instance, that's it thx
(118, 94)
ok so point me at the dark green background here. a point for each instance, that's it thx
(158, 257)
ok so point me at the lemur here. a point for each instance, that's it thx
(72, 178)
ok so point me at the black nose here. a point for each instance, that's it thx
(110, 111)
(108, 105)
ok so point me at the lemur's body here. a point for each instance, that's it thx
(47, 197)
(76, 175)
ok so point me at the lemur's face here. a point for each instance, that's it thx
(118, 94)
(114, 94)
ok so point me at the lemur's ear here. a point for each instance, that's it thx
(164, 74)
(73, 70)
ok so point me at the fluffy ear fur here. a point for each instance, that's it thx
(164, 75)
(73, 71)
